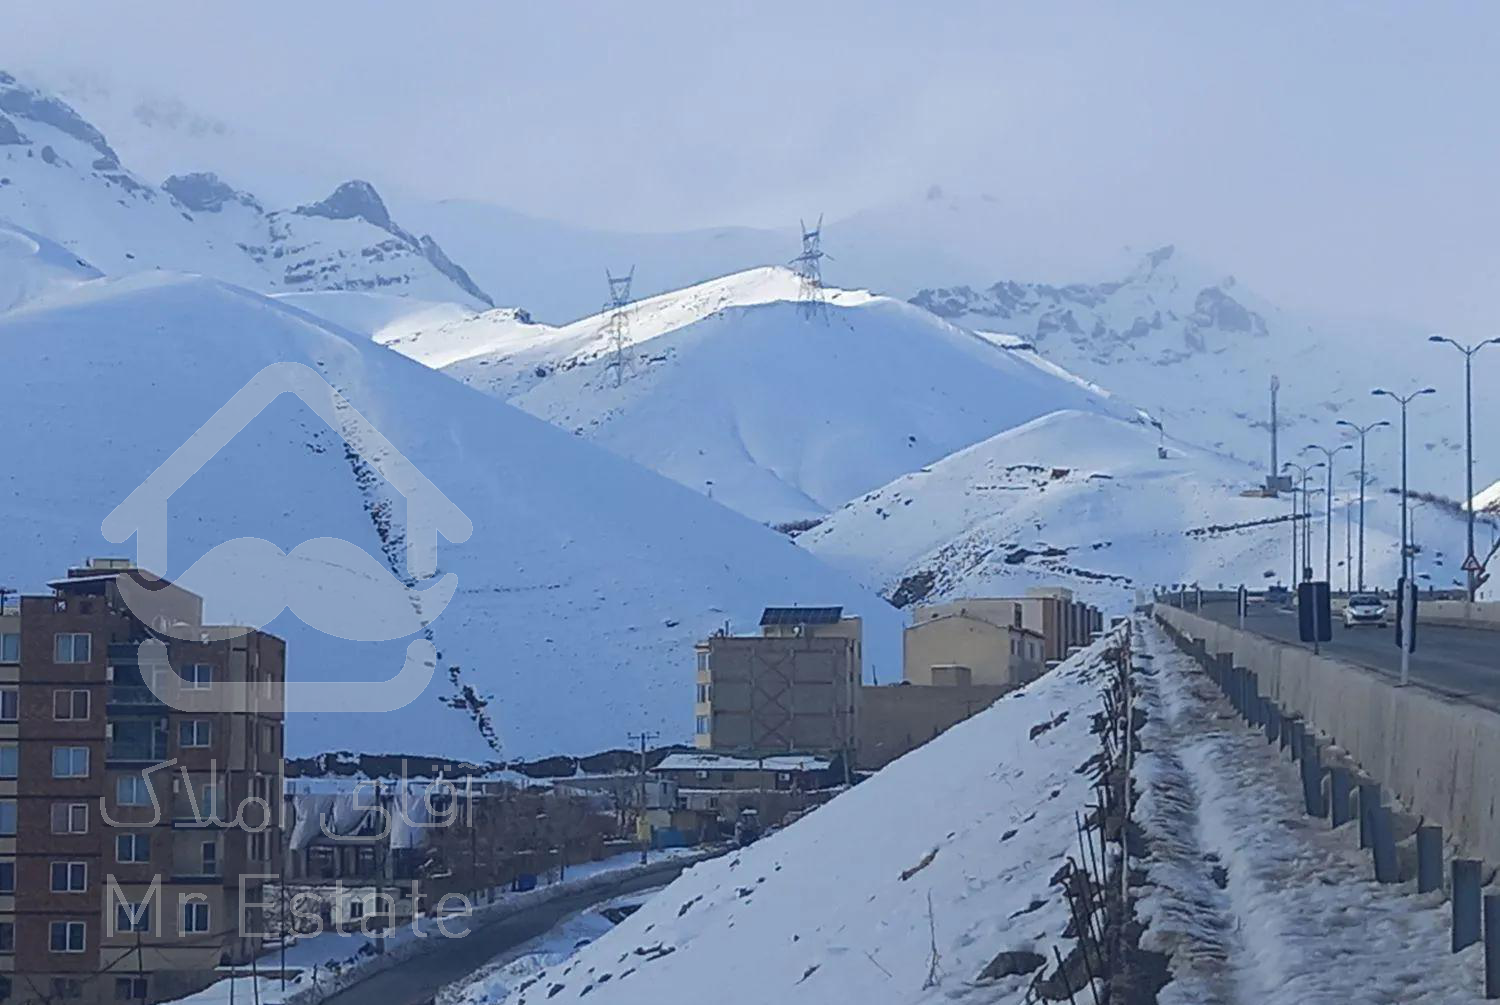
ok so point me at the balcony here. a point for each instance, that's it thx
(127, 696)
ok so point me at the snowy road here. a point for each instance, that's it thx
(416, 982)
(1252, 900)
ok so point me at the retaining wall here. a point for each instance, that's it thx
(1460, 614)
(1439, 756)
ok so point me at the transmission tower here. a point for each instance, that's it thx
(809, 269)
(617, 325)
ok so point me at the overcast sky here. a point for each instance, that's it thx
(1337, 156)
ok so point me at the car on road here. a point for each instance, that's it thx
(1366, 609)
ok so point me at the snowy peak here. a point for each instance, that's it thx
(59, 177)
(353, 200)
(1165, 302)
(29, 105)
(206, 192)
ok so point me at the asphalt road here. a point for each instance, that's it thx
(416, 981)
(1463, 662)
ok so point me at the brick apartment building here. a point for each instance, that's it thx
(80, 838)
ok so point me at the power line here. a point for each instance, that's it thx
(642, 829)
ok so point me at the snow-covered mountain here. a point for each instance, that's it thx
(59, 177)
(1199, 350)
(729, 388)
(1084, 500)
(580, 592)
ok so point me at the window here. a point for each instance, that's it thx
(10, 647)
(132, 790)
(70, 704)
(198, 677)
(131, 989)
(211, 858)
(705, 693)
(194, 917)
(70, 877)
(70, 762)
(7, 877)
(9, 760)
(66, 988)
(209, 801)
(7, 938)
(7, 817)
(10, 704)
(701, 728)
(67, 936)
(133, 848)
(133, 917)
(703, 659)
(72, 648)
(195, 733)
(70, 818)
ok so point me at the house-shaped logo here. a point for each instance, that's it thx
(330, 584)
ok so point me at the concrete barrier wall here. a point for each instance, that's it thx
(1440, 757)
(1460, 614)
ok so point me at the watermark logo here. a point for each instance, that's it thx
(332, 585)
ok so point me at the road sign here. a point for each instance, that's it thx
(1471, 564)
(1314, 612)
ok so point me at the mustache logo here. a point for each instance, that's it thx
(330, 584)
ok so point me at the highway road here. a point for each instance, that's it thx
(1462, 662)
(416, 981)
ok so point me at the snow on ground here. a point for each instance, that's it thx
(385, 317)
(580, 593)
(32, 266)
(732, 391)
(1253, 901)
(834, 908)
(493, 983)
(1083, 499)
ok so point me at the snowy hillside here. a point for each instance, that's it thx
(977, 823)
(59, 177)
(31, 266)
(730, 390)
(580, 593)
(1198, 350)
(1083, 500)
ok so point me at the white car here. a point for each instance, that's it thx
(1365, 609)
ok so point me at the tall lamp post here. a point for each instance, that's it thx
(1403, 401)
(1328, 453)
(1304, 472)
(1471, 562)
(1362, 430)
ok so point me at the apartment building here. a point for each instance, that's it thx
(1048, 611)
(983, 642)
(127, 824)
(792, 688)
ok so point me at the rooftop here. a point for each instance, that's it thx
(724, 762)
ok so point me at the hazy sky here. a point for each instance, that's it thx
(1338, 156)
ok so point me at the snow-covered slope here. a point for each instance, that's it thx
(731, 390)
(1083, 499)
(973, 827)
(59, 177)
(388, 318)
(580, 592)
(32, 266)
(1198, 350)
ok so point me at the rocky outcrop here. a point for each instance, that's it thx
(206, 192)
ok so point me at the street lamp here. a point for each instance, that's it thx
(1304, 472)
(1471, 563)
(1328, 453)
(1362, 430)
(1404, 400)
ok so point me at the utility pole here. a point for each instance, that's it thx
(1362, 431)
(617, 325)
(642, 831)
(1348, 550)
(1471, 561)
(1409, 614)
(1304, 472)
(1272, 482)
(809, 269)
(1328, 453)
